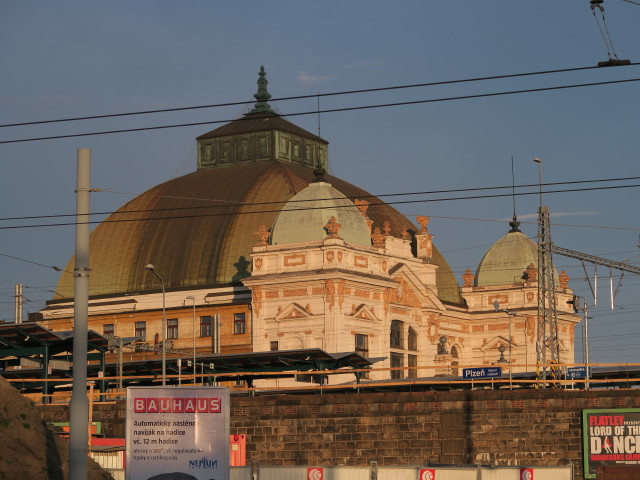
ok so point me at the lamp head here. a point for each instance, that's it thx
(150, 268)
(537, 160)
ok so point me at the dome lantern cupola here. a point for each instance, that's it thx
(261, 135)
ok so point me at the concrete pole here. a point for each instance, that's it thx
(19, 302)
(79, 406)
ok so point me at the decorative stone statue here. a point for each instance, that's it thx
(442, 346)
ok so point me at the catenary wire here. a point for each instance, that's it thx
(315, 95)
(222, 214)
(352, 197)
(330, 110)
(57, 269)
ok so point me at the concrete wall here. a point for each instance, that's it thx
(527, 427)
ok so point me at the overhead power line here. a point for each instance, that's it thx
(352, 197)
(303, 97)
(330, 110)
(223, 214)
(57, 269)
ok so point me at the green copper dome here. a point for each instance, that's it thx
(505, 262)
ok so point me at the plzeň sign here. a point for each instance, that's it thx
(610, 437)
(484, 372)
(177, 433)
(576, 372)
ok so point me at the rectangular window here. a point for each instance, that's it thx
(395, 338)
(141, 330)
(109, 331)
(413, 340)
(362, 349)
(239, 323)
(172, 328)
(412, 363)
(362, 344)
(205, 326)
(274, 346)
(311, 378)
(397, 361)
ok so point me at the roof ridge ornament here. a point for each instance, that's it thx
(262, 95)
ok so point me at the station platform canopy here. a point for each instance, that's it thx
(29, 352)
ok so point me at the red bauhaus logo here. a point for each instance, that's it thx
(526, 474)
(177, 405)
(427, 474)
(315, 473)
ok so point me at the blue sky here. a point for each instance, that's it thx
(67, 59)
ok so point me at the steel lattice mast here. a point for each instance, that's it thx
(547, 342)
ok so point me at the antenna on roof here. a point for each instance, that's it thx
(513, 223)
(319, 114)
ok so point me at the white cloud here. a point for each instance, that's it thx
(376, 62)
(307, 79)
(555, 214)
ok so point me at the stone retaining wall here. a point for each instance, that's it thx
(521, 427)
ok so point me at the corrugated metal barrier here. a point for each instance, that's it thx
(114, 465)
(401, 473)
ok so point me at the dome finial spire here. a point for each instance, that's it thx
(319, 173)
(262, 95)
(514, 224)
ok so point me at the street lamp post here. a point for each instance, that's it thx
(496, 305)
(150, 268)
(193, 299)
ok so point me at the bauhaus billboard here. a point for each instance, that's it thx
(177, 433)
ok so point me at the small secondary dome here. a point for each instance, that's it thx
(304, 217)
(508, 258)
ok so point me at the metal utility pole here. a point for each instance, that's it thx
(586, 346)
(151, 269)
(193, 299)
(19, 302)
(79, 405)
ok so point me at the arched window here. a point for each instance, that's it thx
(412, 340)
(454, 359)
(295, 343)
(395, 336)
